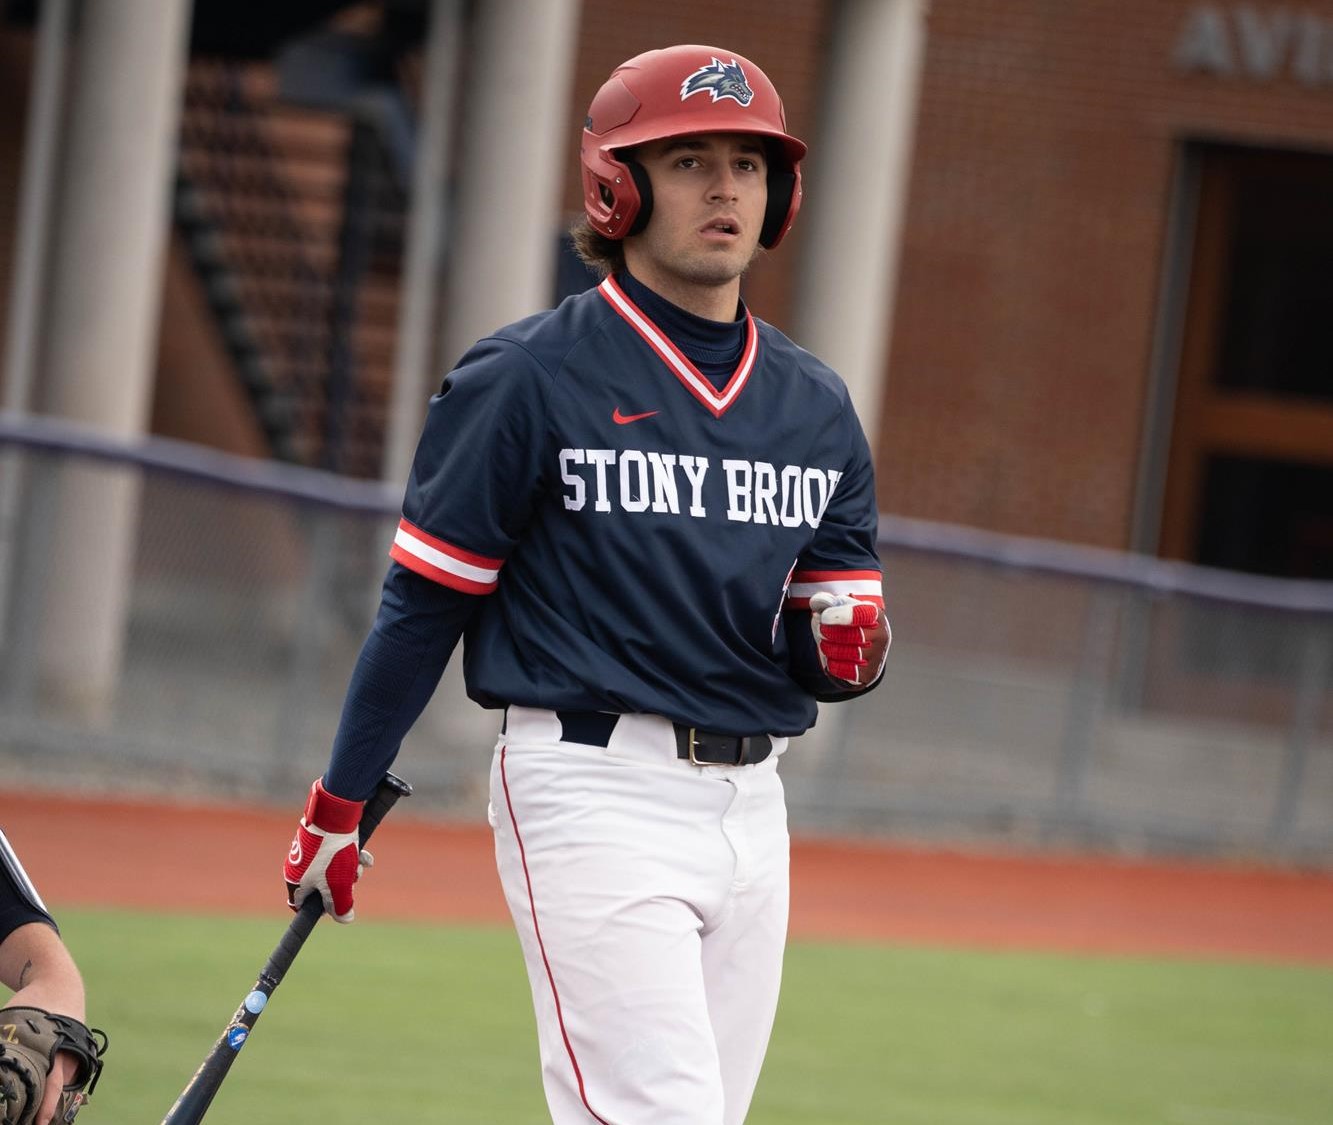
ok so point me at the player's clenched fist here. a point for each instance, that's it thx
(325, 856)
(852, 637)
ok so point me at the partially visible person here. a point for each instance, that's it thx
(47, 1054)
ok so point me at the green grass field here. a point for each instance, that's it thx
(386, 1022)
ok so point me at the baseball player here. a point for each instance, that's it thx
(47, 1055)
(653, 519)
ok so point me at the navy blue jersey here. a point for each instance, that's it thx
(635, 531)
(19, 901)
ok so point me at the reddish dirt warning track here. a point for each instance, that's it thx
(224, 859)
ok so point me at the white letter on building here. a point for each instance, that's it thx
(1203, 44)
(1263, 40)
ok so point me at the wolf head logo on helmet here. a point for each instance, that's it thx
(719, 80)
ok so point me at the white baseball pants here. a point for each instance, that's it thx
(650, 899)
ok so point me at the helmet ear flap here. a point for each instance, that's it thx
(781, 186)
(644, 186)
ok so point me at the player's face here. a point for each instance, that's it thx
(709, 196)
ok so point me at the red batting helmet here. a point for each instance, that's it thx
(672, 93)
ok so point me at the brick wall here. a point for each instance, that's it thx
(1039, 198)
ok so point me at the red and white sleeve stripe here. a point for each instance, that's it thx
(443, 562)
(864, 585)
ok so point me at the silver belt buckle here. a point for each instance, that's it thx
(693, 760)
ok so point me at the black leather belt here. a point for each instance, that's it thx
(702, 747)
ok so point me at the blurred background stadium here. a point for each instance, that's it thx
(1071, 258)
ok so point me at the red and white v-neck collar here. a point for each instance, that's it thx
(694, 380)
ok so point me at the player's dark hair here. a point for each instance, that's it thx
(596, 251)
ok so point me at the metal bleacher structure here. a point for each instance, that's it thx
(294, 220)
(1038, 694)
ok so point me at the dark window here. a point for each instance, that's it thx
(1250, 482)
(1267, 517)
(1278, 314)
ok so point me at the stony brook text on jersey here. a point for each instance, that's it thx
(642, 481)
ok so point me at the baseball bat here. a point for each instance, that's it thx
(198, 1094)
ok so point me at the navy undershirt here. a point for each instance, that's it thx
(713, 346)
(415, 632)
(420, 622)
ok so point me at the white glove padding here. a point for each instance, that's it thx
(852, 637)
(324, 856)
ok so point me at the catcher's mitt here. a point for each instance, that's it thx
(29, 1041)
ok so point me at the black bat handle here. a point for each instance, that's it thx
(198, 1095)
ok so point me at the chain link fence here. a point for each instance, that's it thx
(1037, 694)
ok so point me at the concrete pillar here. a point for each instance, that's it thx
(414, 374)
(101, 328)
(41, 152)
(517, 130)
(856, 181)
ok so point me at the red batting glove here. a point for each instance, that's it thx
(325, 856)
(852, 638)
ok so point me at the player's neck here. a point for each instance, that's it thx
(712, 302)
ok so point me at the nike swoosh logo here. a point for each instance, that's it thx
(625, 419)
